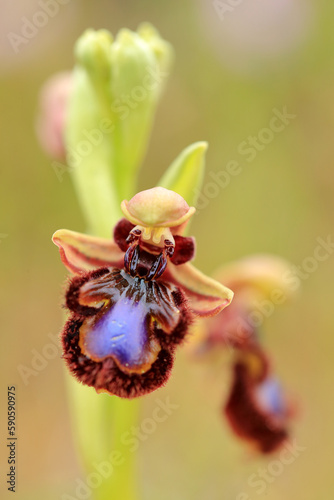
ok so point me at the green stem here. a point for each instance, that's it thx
(124, 481)
(101, 422)
(101, 425)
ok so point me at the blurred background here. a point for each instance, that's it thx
(237, 65)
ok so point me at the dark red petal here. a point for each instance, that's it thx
(247, 419)
(184, 250)
(72, 294)
(121, 232)
(105, 375)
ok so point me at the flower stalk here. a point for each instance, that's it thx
(99, 422)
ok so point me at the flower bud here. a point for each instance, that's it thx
(52, 111)
(140, 65)
(92, 51)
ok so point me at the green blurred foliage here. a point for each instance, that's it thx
(281, 202)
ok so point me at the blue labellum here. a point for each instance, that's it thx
(269, 396)
(122, 333)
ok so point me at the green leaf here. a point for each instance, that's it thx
(185, 175)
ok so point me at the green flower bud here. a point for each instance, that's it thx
(140, 65)
(92, 51)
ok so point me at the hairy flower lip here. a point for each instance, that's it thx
(248, 415)
(167, 319)
(105, 376)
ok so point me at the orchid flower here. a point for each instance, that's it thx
(256, 408)
(133, 297)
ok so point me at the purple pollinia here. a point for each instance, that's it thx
(133, 297)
